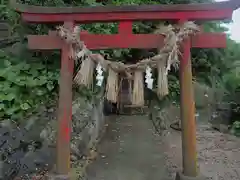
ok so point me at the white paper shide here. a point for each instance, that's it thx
(100, 76)
(148, 78)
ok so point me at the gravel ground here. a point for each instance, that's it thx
(218, 153)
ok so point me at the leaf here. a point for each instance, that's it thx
(42, 80)
(7, 63)
(5, 86)
(50, 86)
(40, 92)
(31, 82)
(25, 106)
(2, 106)
(4, 72)
(6, 97)
(38, 66)
(23, 66)
(10, 96)
(12, 110)
(118, 53)
(21, 83)
(17, 115)
(2, 54)
(33, 72)
(11, 76)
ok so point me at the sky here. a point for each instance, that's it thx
(234, 28)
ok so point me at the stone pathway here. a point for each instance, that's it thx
(132, 151)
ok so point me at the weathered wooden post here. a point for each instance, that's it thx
(188, 123)
(65, 108)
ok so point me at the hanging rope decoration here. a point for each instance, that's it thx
(112, 86)
(138, 89)
(162, 89)
(85, 74)
(167, 56)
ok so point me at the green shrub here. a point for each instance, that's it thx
(23, 86)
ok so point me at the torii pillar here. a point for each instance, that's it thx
(188, 121)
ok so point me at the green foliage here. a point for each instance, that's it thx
(23, 86)
(236, 128)
(231, 81)
(174, 88)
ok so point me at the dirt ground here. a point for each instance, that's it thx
(218, 154)
(131, 150)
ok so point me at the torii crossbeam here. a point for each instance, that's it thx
(126, 39)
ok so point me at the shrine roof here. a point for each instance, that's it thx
(24, 8)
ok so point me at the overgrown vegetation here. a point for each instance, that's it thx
(26, 82)
(24, 86)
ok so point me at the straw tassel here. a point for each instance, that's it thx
(138, 89)
(112, 86)
(162, 80)
(85, 74)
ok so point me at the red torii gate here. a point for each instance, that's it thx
(126, 39)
